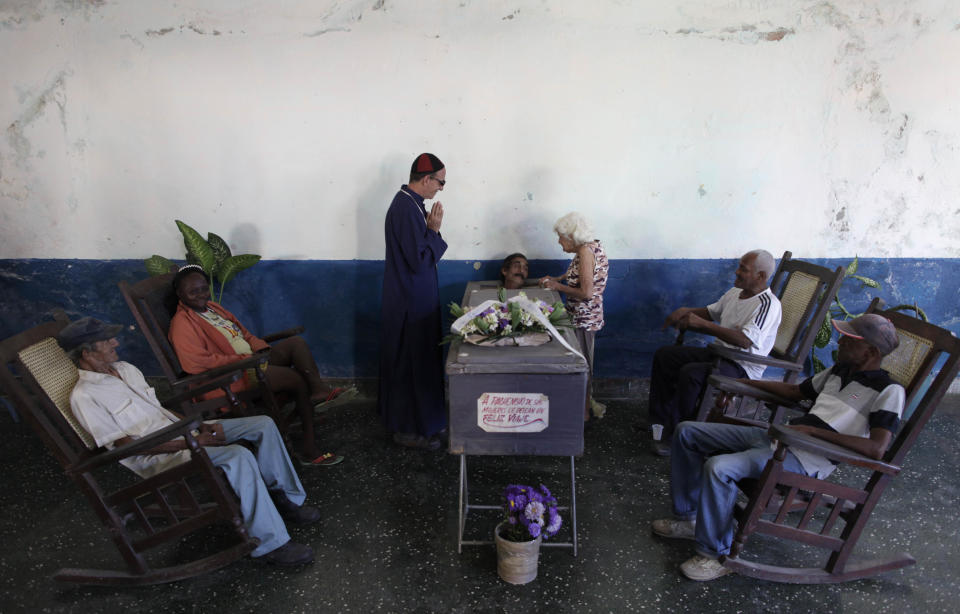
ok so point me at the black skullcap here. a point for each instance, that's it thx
(425, 164)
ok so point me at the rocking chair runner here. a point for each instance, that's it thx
(927, 354)
(38, 377)
(805, 292)
(152, 302)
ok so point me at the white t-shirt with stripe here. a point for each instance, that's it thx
(757, 317)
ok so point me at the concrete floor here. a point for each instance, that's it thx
(388, 538)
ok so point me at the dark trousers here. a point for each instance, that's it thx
(679, 374)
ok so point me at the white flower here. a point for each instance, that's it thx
(534, 512)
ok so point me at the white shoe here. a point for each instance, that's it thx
(674, 529)
(702, 568)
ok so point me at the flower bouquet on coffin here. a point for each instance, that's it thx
(515, 321)
(530, 516)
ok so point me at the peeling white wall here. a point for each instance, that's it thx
(686, 129)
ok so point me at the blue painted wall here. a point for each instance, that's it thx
(339, 300)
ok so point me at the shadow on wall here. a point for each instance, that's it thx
(367, 281)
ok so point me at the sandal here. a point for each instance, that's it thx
(328, 459)
(336, 397)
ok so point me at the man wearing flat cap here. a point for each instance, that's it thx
(114, 403)
(410, 397)
(856, 405)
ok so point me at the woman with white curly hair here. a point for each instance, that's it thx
(583, 283)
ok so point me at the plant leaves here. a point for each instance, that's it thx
(198, 248)
(818, 365)
(456, 310)
(852, 267)
(221, 251)
(515, 314)
(824, 334)
(158, 265)
(914, 308)
(502, 294)
(866, 281)
(233, 265)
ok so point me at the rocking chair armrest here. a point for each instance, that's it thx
(199, 379)
(809, 443)
(731, 385)
(283, 334)
(734, 355)
(190, 393)
(138, 446)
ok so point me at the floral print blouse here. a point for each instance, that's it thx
(588, 313)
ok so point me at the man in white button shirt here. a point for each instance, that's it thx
(114, 403)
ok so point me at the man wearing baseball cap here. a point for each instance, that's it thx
(856, 405)
(114, 403)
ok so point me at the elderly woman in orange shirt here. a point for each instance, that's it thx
(205, 335)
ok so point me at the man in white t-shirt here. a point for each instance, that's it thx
(114, 403)
(745, 318)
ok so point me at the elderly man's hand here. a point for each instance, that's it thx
(435, 217)
(674, 318)
(691, 320)
(211, 434)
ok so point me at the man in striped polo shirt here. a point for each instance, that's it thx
(745, 318)
(856, 405)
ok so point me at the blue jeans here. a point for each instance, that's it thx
(706, 460)
(253, 476)
(678, 377)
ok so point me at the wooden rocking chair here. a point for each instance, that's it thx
(38, 377)
(832, 515)
(153, 302)
(806, 292)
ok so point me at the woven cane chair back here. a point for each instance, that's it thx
(904, 362)
(795, 302)
(56, 375)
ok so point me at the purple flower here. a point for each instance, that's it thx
(530, 512)
(554, 522)
(534, 512)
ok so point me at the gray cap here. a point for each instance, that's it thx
(86, 330)
(872, 328)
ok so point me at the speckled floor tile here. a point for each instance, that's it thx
(387, 541)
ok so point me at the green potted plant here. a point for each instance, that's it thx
(212, 254)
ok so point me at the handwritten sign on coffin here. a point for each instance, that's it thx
(516, 412)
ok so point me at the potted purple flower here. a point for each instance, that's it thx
(530, 516)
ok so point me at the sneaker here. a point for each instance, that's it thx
(291, 553)
(675, 529)
(702, 568)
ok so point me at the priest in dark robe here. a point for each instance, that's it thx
(410, 398)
